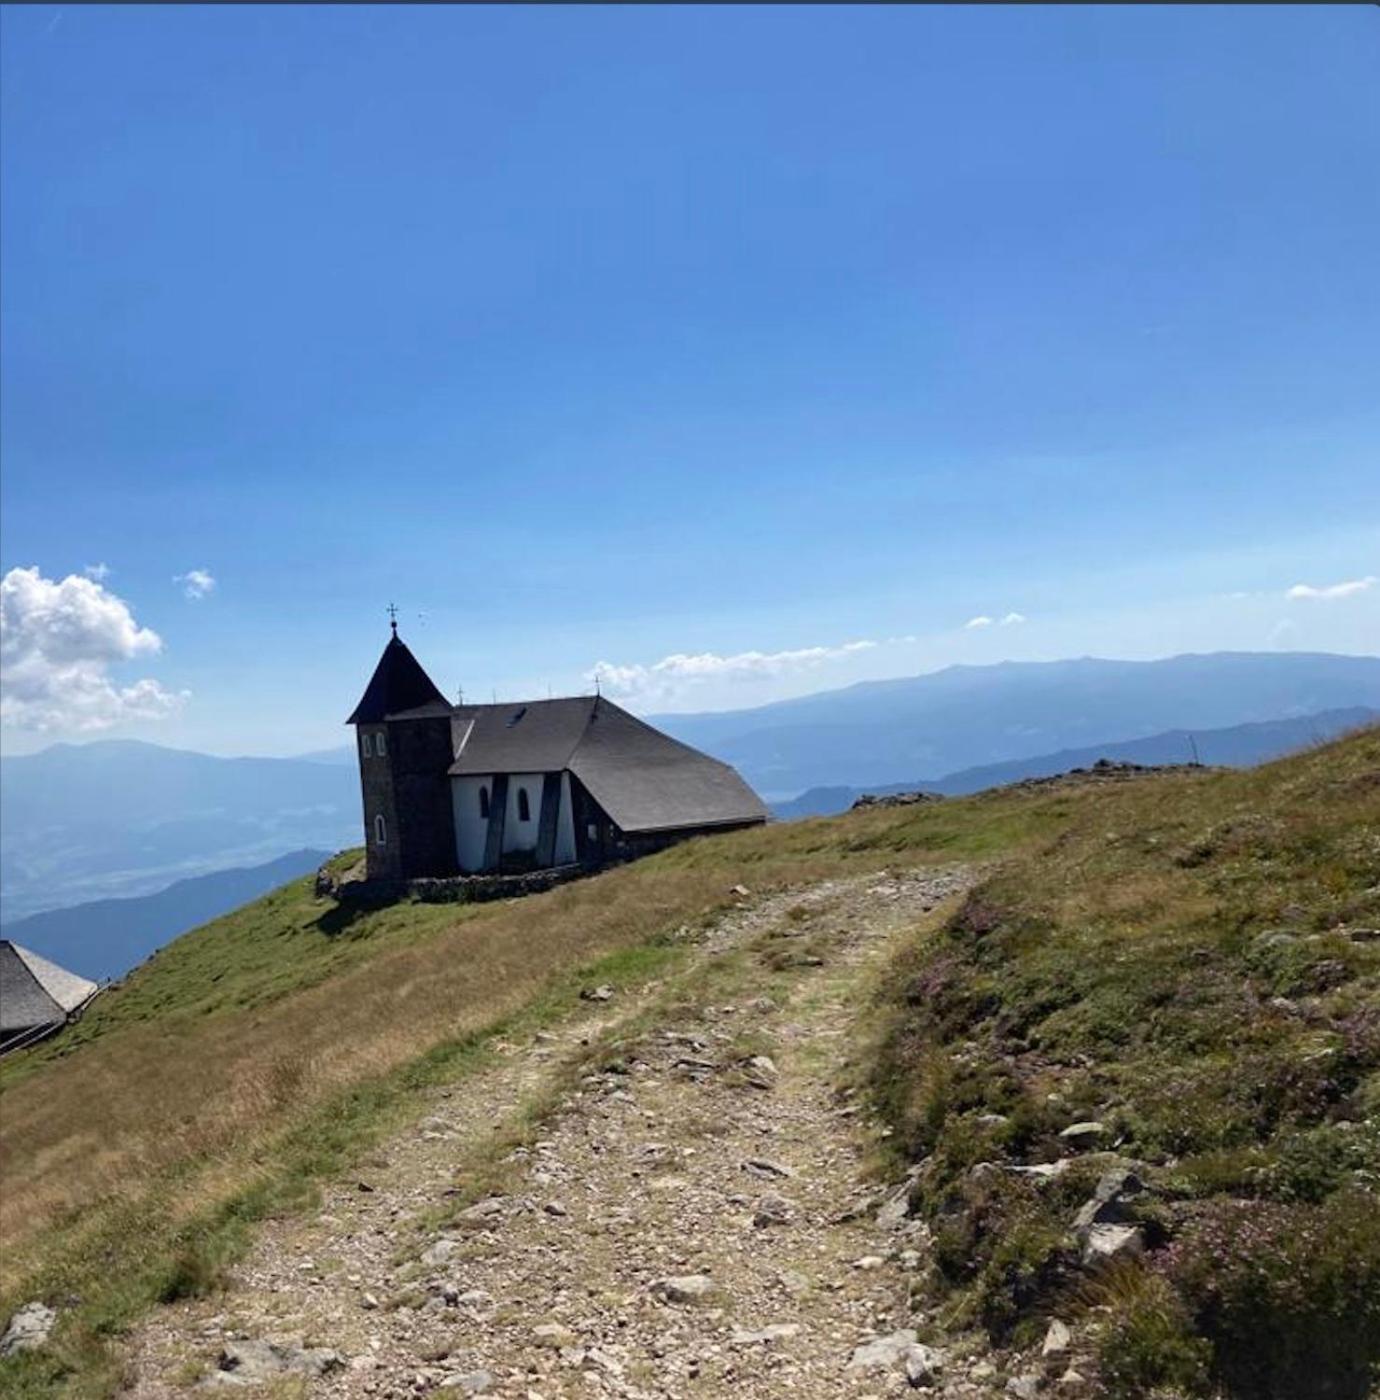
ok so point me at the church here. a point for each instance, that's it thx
(484, 789)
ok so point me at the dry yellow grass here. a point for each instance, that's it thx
(198, 1094)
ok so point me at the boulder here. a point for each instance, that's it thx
(471, 1383)
(1103, 1244)
(894, 799)
(254, 1362)
(1057, 1339)
(923, 1364)
(761, 1166)
(1109, 1202)
(772, 1210)
(555, 1335)
(685, 1288)
(482, 1212)
(28, 1329)
(883, 1353)
(440, 1253)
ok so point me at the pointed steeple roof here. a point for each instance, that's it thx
(398, 683)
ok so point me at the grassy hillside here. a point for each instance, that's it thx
(1195, 967)
(269, 1048)
(1118, 963)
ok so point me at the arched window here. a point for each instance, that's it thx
(524, 807)
(380, 831)
(381, 744)
(365, 746)
(484, 803)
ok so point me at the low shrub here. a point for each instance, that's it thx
(1287, 1294)
(1150, 1343)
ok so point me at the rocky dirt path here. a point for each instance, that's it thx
(693, 1221)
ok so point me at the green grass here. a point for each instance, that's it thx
(1173, 963)
(267, 1050)
(161, 1259)
(280, 944)
(1120, 961)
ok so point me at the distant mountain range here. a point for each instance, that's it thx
(1238, 747)
(109, 936)
(970, 716)
(120, 818)
(117, 819)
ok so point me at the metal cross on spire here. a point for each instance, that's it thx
(393, 618)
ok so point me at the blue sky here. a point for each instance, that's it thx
(782, 343)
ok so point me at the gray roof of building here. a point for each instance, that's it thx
(36, 992)
(534, 736)
(643, 779)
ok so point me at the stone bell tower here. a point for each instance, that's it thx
(403, 743)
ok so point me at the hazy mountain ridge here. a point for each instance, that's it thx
(1241, 746)
(970, 716)
(107, 937)
(118, 818)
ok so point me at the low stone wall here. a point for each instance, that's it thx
(458, 889)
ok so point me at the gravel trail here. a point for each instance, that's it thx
(693, 1219)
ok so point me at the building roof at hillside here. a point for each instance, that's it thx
(643, 779)
(398, 684)
(35, 992)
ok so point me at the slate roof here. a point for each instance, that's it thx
(398, 683)
(643, 779)
(35, 992)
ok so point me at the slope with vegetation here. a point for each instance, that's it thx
(1180, 959)
(1191, 970)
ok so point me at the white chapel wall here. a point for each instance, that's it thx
(519, 835)
(471, 829)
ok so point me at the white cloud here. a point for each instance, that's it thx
(661, 679)
(58, 641)
(99, 572)
(1333, 590)
(197, 583)
(1011, 619)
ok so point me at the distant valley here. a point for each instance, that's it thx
(107, 937)
(115, 819)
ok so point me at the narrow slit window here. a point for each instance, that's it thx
(381, 744)
(380, 831)
(365, 746)
(524, 807)
(484, 803)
